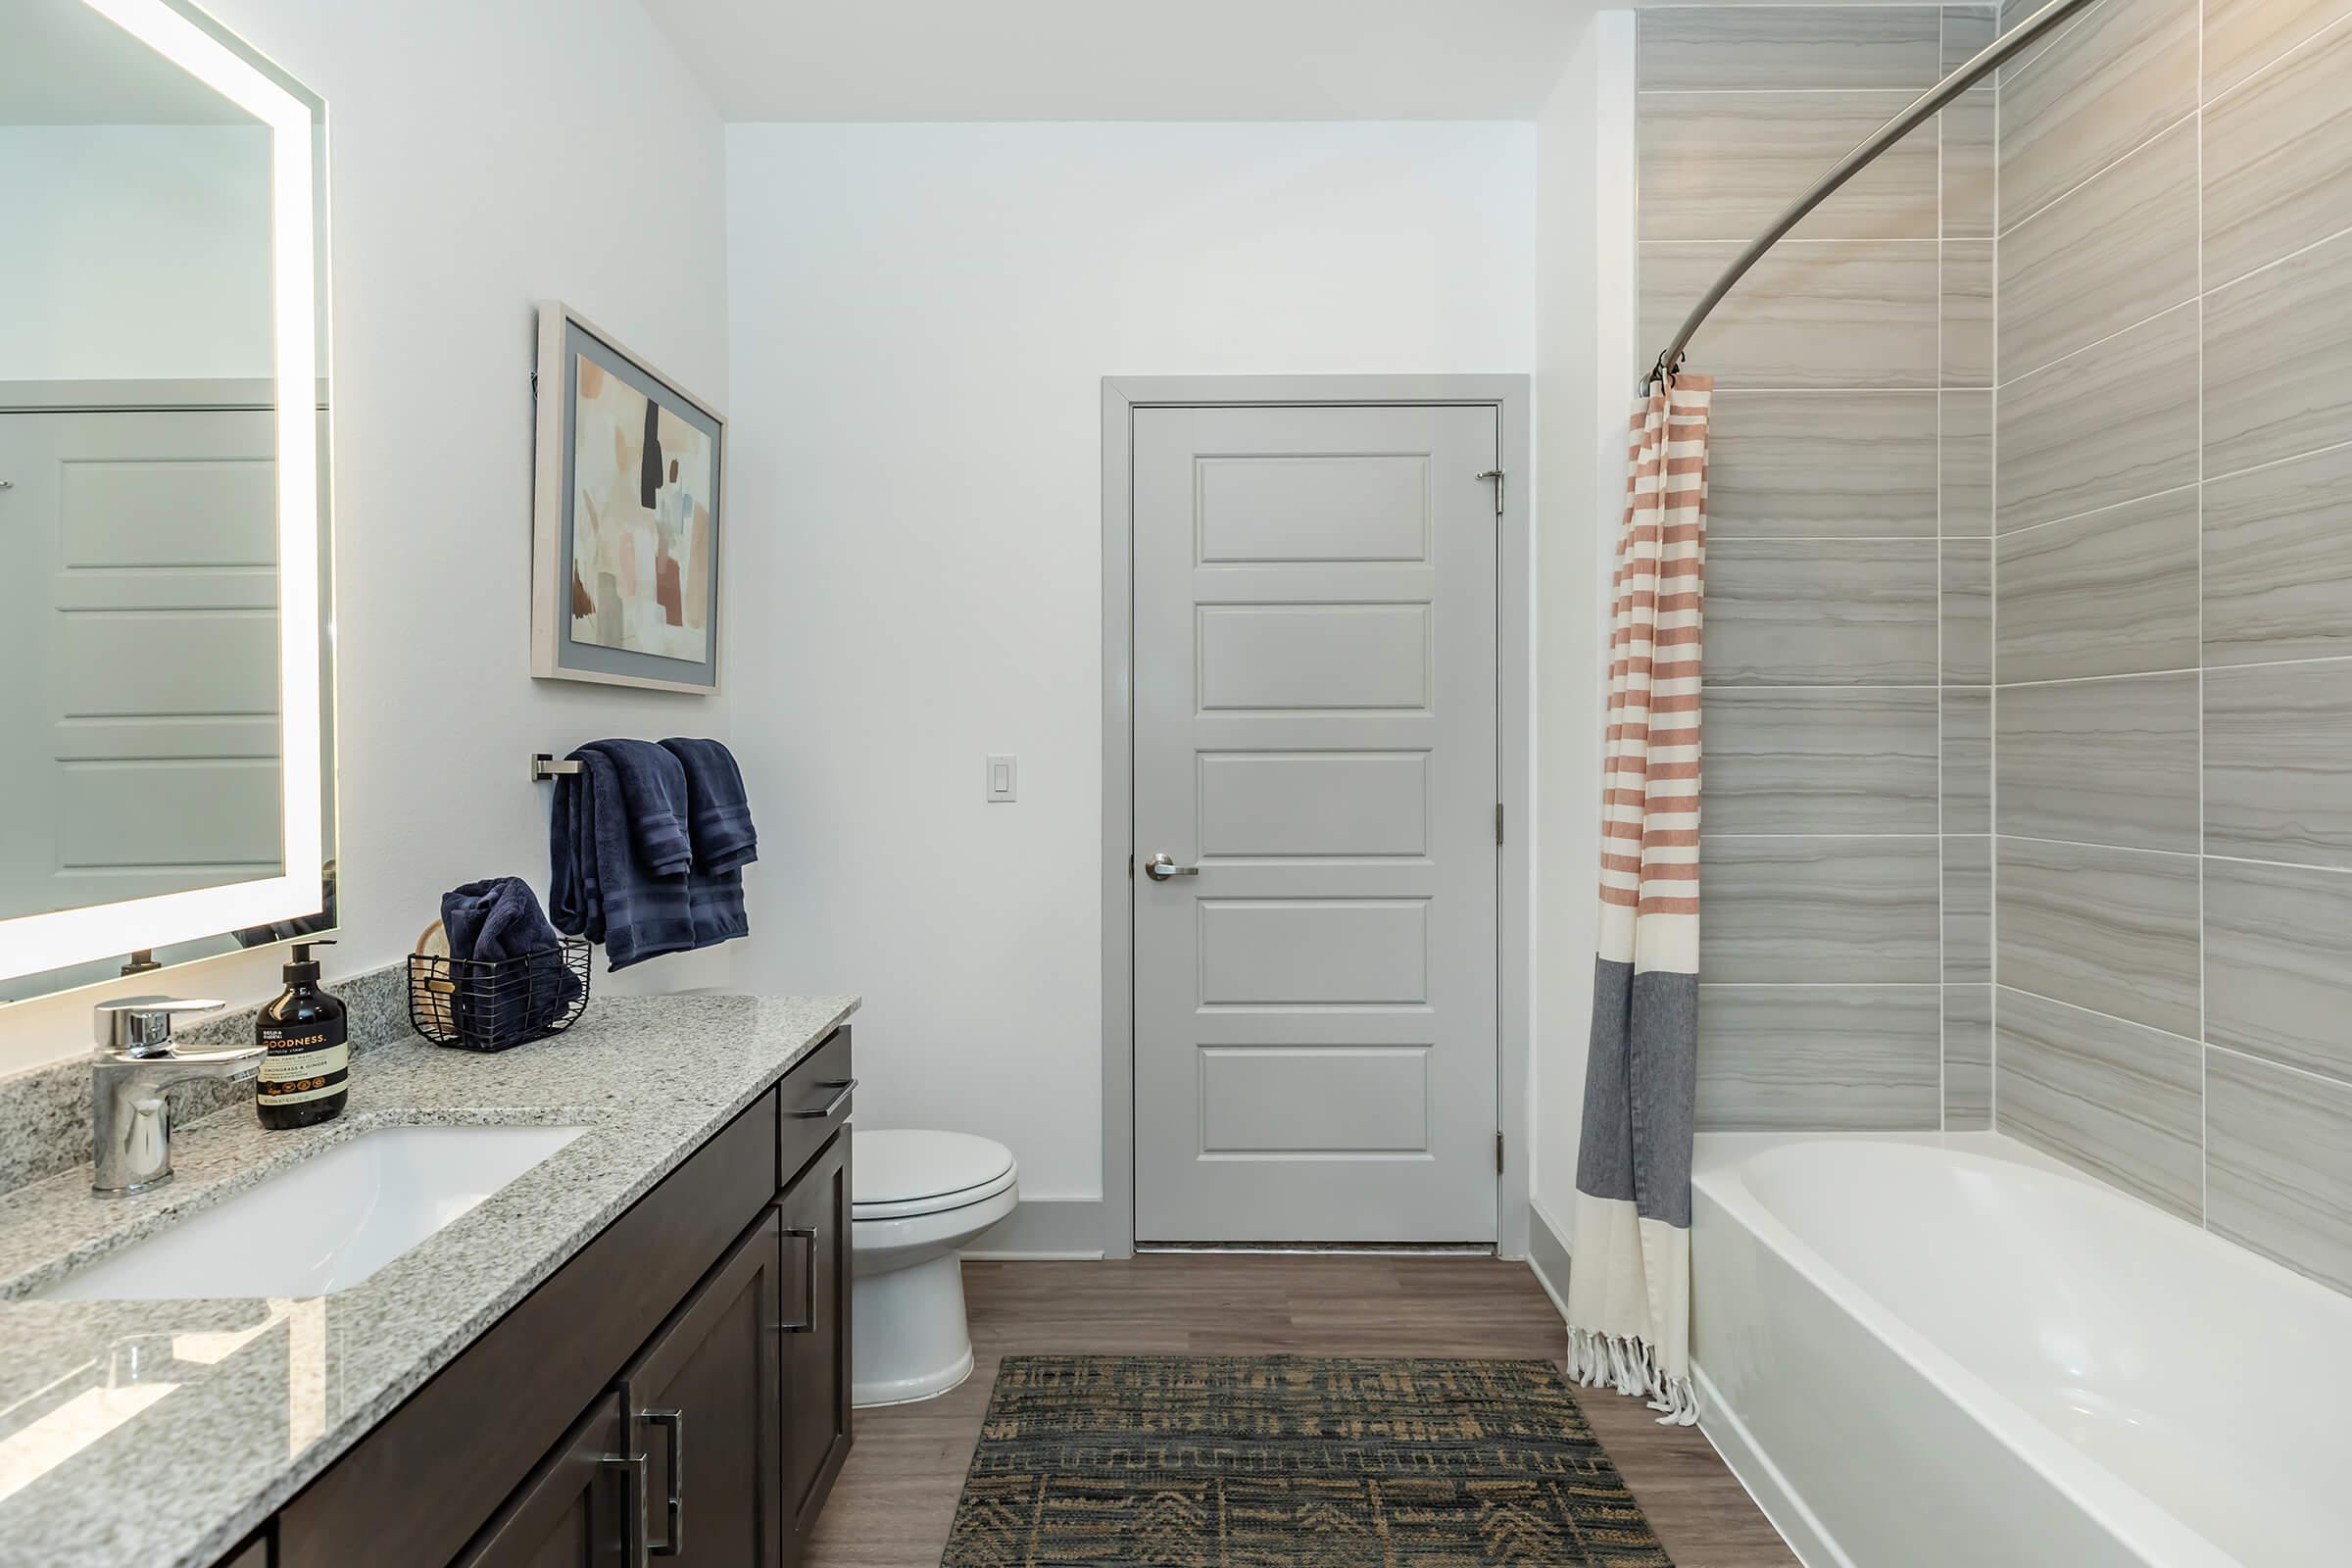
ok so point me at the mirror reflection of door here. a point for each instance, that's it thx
(139, 730)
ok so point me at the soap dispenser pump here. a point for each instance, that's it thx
(306, 1077)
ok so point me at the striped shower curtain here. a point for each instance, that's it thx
(1629, 1285)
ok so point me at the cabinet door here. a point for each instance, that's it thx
(817, 1337)
(703, 1401)
(581, 1508)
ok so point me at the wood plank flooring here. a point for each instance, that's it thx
(892, 1503)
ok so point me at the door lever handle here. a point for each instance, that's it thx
(1159, 869)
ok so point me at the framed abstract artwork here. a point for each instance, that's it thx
(625, 516)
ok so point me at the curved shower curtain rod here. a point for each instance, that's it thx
(1967, 75)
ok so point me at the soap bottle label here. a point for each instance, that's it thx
(308, 1060)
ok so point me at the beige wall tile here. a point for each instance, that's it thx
(1967, 133)
(2111, 252)
(2120, 1101)
(1967, 612)
(2111, 930)
(2100, 761)
(1837, 612)
(1861, 1057)
(1786, 909)
(1822, 465)
(2278, 1164)
(2278, 963)
(1966, 760)
(1782, 48)
(1826, 760)
(1721, 164)
(1965, 463)
(2242, 36)
(2121, 73)
(2278, 361)
(2111, 424)
(2278, 762)
(2277, 567)
(2279, 160)
(1967, 1058)
(2108, 593)
(1827, 314)
(1968, 312)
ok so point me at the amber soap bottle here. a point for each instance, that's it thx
(306, 1078)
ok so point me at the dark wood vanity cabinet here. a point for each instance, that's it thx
(680, 1388)
(816, 1339)
(706, 1409)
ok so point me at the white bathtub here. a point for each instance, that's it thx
(1952, 1353)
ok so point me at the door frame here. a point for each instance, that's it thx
(1508, 396)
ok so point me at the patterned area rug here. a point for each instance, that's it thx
(1289, 1462)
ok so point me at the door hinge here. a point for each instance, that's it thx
(1497, 1153)
(1499, 478)
(1499, 821)
(1129, 865)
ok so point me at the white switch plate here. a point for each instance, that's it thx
(1003, 778)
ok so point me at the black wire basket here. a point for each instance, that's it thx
(498, 1005)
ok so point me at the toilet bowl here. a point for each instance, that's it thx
(915, 1199)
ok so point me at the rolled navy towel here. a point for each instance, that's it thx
(498, 920)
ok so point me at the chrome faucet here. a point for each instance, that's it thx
(135, 1064)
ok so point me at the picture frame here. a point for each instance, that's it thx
(627, 517)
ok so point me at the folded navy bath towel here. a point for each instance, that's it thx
(647, 848)
(719, 822)
(718, 814)
(653, 790)
(499, 919)
(599, 886)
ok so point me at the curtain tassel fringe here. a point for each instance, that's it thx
(1630, 1365)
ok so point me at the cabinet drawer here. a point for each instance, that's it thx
(817, 1104)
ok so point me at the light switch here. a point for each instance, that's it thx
(1003, 778)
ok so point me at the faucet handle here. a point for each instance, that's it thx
(142, 1025)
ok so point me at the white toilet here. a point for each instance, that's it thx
(916, 1197)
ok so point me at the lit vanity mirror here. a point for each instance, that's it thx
(167, 735)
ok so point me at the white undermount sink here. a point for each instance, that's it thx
(322, 1224)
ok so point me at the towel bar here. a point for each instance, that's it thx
(544, 766)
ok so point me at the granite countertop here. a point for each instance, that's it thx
(158, 1433)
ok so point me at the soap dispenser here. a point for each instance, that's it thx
(306, 1078)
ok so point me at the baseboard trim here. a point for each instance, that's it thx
(1044, 1230)
(1548, 1257)
(1775, 1498)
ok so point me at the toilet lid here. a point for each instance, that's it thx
(911, 1171)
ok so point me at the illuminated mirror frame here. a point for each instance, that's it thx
(32, 942)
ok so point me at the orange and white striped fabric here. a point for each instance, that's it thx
(1650, 800)
(1629, 1295)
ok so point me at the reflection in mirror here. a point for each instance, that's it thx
(145, 719)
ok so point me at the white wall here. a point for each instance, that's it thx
(1585, 357)
(135, 251)
(922, 316)
(484, 154)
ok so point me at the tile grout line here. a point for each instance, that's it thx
(2204, 1137)
(1943, 957)
(2153, 675)
(1993, 701)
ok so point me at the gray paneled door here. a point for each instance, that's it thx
(1315, 731)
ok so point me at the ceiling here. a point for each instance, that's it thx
(66, 65)
(999, 60)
